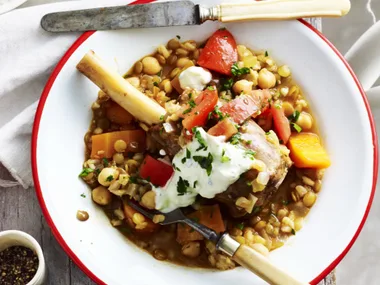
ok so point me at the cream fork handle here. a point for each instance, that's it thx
(256, 262)
(282, 9)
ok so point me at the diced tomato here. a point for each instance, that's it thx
(219, 53)
(281, 124)
(241, 108)
(157, 172)
(209, 216)
(129, 212)
(223, 128)
(246, 105)
(197, 117)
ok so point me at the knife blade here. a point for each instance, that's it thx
(163, 14)
(185, 13)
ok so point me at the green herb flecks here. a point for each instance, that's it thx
(109, 178)
(155, 83)
(294, 117)
(293, 232)
(161, 117)
(250, 153)
(224, 157)
(226, 83)
(266, 53)
(236, 71)
(212, 88)
(85, 172)
(105, 161)
(296, 127)
(192, 103)
(235, 139)
(200, 139)
(205, 162)
(182, 186)
(195, 184)
(133, 179)
(256, 210)
(240, 226)
(176, 168)
(83, 195)
(178, 37)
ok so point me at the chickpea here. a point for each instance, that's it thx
(101, 196)
(135, 81)
(266, 79)
(148, 200)
(183, 61)
(120, 146)
(305, 121)
(118, 158)
(107, 175)
(151, 65)
(288, 108)
(191, 249)
(284, 71)
(309, 199)
(244, 86)
(174, 44)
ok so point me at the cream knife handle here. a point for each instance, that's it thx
(279, 10)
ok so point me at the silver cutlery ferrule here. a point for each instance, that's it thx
(211, 14)
(227, 245)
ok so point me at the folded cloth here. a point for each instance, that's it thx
(28, 55)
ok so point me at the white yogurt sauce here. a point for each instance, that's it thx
(194, 77)
(190, 179)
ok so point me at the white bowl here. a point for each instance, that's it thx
(18, 238)
(338, 103)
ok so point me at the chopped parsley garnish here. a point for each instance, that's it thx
(192, 103)
(109, 178)
(187, 111)
(133, 179)
(183, 160)
(277, 106)
(182, 186)
(83, 195)
(85, 172)
(240, 226)
(176, 168)
(250, 153)
(224, 157)
(249, 183)
(296, 127)
(188, 153)
(105, 161)
(248, 142)
(205, 162)
(161, 117)
(190, 95)
(226, 83)
(256, 210)
(159, 73)
(212, 88)
(266, 53)
(285, 202)
(294, 117)
(218, 113)
(235, 138)
(201, 140)
(155, 83)
(236, 71)
(195, 183)
(293, 232)
(178, 37)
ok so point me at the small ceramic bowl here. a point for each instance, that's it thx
(18, 238)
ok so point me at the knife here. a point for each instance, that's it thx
(185, 13)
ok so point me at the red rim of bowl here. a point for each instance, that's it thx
(41, 200)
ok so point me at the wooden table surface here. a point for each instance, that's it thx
(20, 210)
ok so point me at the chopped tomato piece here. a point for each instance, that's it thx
(156, 171)
(223, 128)
(103, 144)
(281, 124)
(150, 227)
(197, 116)
(219, 53)
(246, 105)
(241, 108)
(209, 216)
(307, 152)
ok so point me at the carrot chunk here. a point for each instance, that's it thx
(306, 151)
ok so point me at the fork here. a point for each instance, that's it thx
(242, 254)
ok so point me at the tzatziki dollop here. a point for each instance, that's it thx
(194, 77)
(206, 166)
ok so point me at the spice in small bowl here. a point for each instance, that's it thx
(18, 265)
